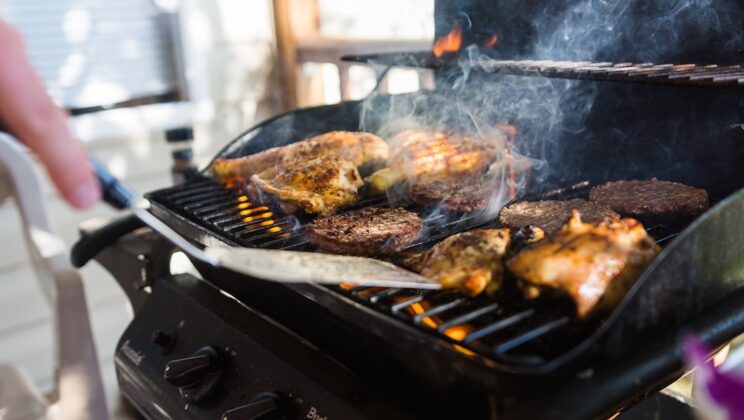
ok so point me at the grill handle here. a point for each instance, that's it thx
(91, 244)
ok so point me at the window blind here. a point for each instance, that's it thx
(94, 53)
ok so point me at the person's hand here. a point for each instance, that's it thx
(27, 111)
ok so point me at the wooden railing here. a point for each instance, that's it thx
(299, 41)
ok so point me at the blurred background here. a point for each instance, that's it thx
(129, 70)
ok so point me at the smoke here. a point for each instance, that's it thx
(516, 116)
(474, 100)
(638, 30)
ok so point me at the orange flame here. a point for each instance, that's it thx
(448, 43)
(419, 309)
(492, 41)
(458, 332)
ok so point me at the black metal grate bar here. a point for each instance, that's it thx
(467, 317)
(530, 335)
(707, 75)
(498, 325)
(406, 303)
(384, 294)
(437, 310)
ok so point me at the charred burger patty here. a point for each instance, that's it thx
(368, 231)
(451, 195)
(651, 198)
(550, 215)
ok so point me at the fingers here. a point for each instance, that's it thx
(30, 114)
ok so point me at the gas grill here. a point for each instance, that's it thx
(213, 342)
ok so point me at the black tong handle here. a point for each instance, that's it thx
(91, 244)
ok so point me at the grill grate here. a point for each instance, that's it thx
(707, 75)
(232, 215)
(503, 327)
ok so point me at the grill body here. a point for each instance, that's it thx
(576, 114)
(406, 341)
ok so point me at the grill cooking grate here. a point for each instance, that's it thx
(232, 215)
(504, 327)
(731, 76)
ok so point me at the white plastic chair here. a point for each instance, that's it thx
(78, 389)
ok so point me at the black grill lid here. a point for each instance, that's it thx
(635, 31)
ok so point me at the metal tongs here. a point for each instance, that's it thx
(294, 266)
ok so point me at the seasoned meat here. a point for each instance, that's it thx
(651, 198)
(368, 231)
(550, 215)
(427, 154)
(471, 261)
(464, 197)
(359, 148)
(315, 186)
(594, 264)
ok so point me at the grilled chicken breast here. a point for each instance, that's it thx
(359, 148)
(319, 185)
(471, 261)
(593, 264)
(427, 155)
(367, 231)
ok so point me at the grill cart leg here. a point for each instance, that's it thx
(78, 390)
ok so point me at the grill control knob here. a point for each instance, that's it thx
(264, 407)
(196, 376)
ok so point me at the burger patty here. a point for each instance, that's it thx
(451, 196)
(651, 198)
(368, 231)
(550, 215)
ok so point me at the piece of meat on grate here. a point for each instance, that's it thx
(651, 198)
(550, 215)
(357, 147)
(463, 197)
(368, 231)
(315, 186)
(471, 262)
(424, 155)
(594, 264)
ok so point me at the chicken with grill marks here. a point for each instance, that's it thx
(595, 265)
(360, 148)
(426, 155)
(317, 186)
(471, 262)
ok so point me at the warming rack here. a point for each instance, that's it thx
(703, 75)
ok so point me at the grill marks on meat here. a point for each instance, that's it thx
(470, 261)
(424, 155)
(595, 265)
(359, 148)
(368, 231)
(651, 198)
(550, 215)
(315, 186)
(463, 197)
